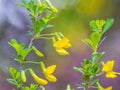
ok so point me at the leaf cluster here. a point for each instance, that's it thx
(90, 68)
(41, 13)
(16, 77)
(98, 28)
(21, 50)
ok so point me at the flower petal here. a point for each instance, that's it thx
(61, 43)
(108, 66)
(111, 74)
(50, 77)
(50, 69)
(109, 88)
(62, 51)
(39, 80)
(68, 45)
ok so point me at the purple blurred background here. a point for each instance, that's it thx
(73, 21)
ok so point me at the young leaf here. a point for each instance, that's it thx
(93, 26)
(94, 81)
(88, 42)
(25, 88)
(97, 25)
(49, 26)
(12, 72)
(95, 37)
(33, 87)
(96, 57)
(95, 69)
(78, 69)
(17, 75)
(12, 81)
(108, 24)
(86, 64)
(24, 1)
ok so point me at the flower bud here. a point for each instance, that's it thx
(52, 8)
(37, 52)
(38, 79)
(23, 76)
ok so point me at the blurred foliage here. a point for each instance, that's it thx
(72, 20)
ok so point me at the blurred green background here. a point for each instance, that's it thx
(73, 21)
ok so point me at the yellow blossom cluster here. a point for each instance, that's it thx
(47, 72)
(108, 69)
(60, 46)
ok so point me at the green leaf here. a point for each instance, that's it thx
(101, 41)
(42, 25)
(33, 87)
(12, 72)
(96, 57)
(95, 37)
(94, 81)
(50, 16)
(95, 69)
(97, 25)
(78, 69)
(34, 10)
(108, 24)
(88, 42)
(17, 75)
(39, 25)
(86, 64)
(93, 26)
(22, 52)
(14, 44)
(25, 88)
(49, 26)
(12, 81)
(24, 1)
(31, 2)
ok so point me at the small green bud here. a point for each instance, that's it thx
(69, 87)
(52, 8)
(37, 52)
(23, 76)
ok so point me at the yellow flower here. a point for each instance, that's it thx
(38, 79)
(61, 44)
(48, 72)
(109, 88)
(108, 67)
